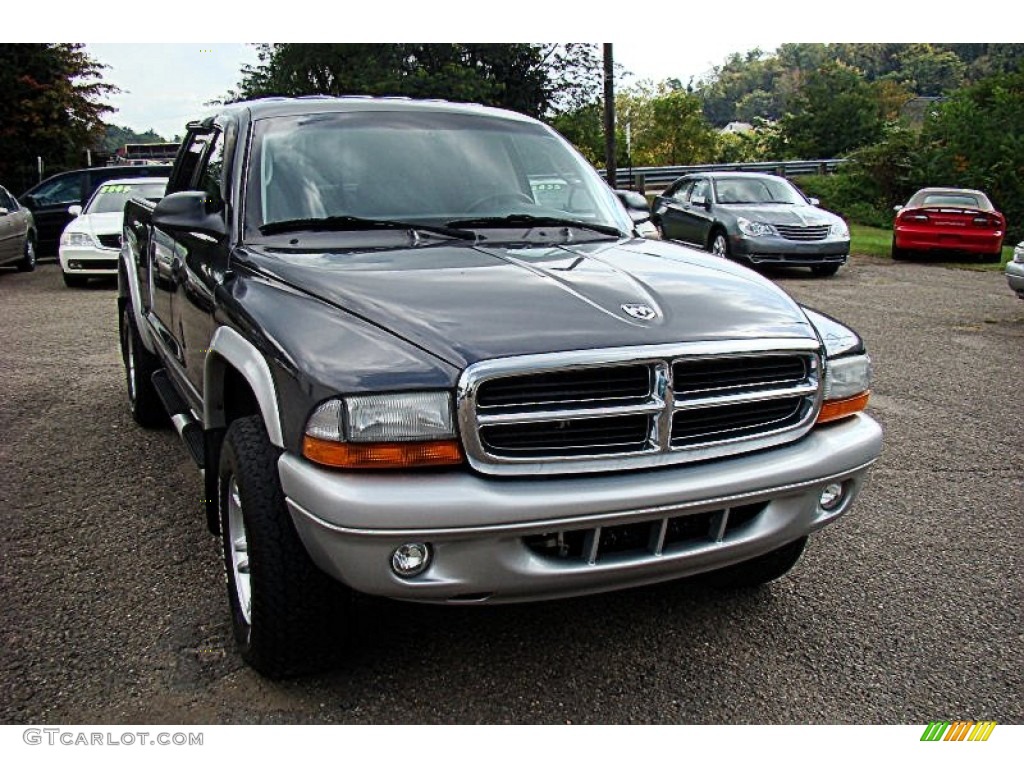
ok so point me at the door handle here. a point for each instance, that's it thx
(177, 267)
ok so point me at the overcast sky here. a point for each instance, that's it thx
(206, 71)
(164, 83)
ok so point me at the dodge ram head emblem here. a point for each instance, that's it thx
(639, 311)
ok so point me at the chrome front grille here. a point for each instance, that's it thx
(603, 410)
(801, 232)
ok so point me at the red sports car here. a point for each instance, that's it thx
(939, 219)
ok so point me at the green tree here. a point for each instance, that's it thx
(535, 79)
(834, 113)
(929, 71)
(52, 107)
(584, 127)
(976, 139)
(116, 136)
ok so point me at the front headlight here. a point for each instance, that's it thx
(401, 430)
(847, 387)
(839, 229)
(76, 240)
(754, 228)
(1018, 254)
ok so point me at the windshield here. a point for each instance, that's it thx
(756, 190)
(948, 200)
(111, 198)
(422, 167)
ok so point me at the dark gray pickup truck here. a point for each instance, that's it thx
(418, 350)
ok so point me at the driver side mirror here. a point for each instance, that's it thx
(74, 211)
(188, 212)
(4, 211)
(814, 201)
(701, 202)
(635, 204)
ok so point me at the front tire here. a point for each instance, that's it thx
(139, 366)
(74, 281)
(719, 244)
(28, 260)
(289, 617)
(824, 270)
(760, 570)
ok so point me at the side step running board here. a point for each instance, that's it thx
(190, 430)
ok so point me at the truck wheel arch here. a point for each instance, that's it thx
(230, 350)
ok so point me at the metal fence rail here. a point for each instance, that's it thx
(662, 176)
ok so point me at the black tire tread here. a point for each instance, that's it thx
(148, 410)
(759, 570)
(299, 614)
(28, 263)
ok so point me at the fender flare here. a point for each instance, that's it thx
(228, 347)
(132, 278)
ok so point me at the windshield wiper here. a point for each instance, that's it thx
(356, 223)
(525, 219)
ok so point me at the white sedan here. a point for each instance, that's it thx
(1015, 271)
(92, 240)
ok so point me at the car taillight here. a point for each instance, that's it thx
(993, 222)
(905, 217)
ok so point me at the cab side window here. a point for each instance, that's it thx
(211, 168)
(699, 193)
(683, 193)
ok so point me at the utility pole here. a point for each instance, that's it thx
(609, 115)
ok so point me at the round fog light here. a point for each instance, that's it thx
(832, 496)
(410, 560)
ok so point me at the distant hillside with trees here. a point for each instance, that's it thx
(911, 115)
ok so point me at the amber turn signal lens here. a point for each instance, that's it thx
(838, 409)
(429, 453)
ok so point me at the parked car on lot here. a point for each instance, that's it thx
(420, 351)
(91, 242)
(50, 199)
(948, 221)
(754, 217)
(1015, 271)
(17, 234)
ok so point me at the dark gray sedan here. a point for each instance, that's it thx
(17, 234)
(755, 217)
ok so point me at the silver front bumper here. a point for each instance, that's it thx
(476, 526)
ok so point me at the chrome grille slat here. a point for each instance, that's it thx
(802, 232)
(700, 401)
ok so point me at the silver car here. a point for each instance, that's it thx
(17, 234)
(1015, 270)
(754, 217)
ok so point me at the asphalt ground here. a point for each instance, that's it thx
(908, 610)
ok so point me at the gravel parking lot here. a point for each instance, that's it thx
(909, 610)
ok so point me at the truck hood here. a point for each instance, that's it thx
(465, 303)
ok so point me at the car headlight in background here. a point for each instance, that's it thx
(77, 240)
(839, 229)
(1018, 254)
(396, 431)
(754, 228)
